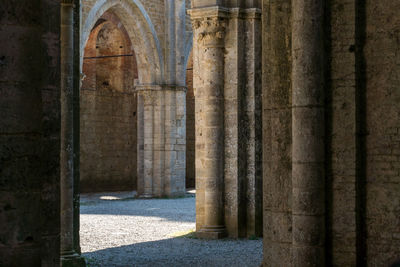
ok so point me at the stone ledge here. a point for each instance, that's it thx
(156, 87)
(222, 12)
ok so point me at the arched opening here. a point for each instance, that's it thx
(108, 123)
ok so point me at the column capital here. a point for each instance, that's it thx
(209, 31)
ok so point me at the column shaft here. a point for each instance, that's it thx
(308, 132)
(209, 33)
(66, 157)
(69, 255)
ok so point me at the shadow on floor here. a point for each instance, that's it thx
(180, 251)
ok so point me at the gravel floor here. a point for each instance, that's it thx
(118, 230)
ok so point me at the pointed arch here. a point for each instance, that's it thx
(141, 31)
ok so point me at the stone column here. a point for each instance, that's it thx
(277, 133)
(69, 257)
(209, 33)
(308, 133)
(251, 106)
(67, 179)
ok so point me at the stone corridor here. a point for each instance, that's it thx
(119, 230)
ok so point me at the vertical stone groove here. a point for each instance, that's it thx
(361, 130)
(308, 125)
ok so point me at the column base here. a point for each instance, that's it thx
(72, 260)
(212, 232)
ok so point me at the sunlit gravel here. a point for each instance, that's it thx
(120, 230)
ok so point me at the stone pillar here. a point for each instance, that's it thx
(30, 133)
(69, 257)
(67, 179)
(308, 208)
(209, 35)
(161, 140)
(145, 142)
(252, 108)
(226, 82)
(277, 133)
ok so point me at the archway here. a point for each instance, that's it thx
(141, 33)
(108, 122)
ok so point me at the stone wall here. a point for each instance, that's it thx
(108, 110)
(30, 133)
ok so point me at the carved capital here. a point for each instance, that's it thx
(210, 31)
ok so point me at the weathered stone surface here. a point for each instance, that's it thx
(382, 140)
(29, 133)
(161, 140)
(360, 168)
(227, 49)
(277, 133)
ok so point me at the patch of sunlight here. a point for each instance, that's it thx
(188, 234)
(109, 198)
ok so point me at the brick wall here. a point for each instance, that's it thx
(108, 111)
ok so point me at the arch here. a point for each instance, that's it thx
(141, 32)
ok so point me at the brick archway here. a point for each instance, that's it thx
(141, 33)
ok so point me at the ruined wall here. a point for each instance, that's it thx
(108, 110)
(30, 133)
(361, 132)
